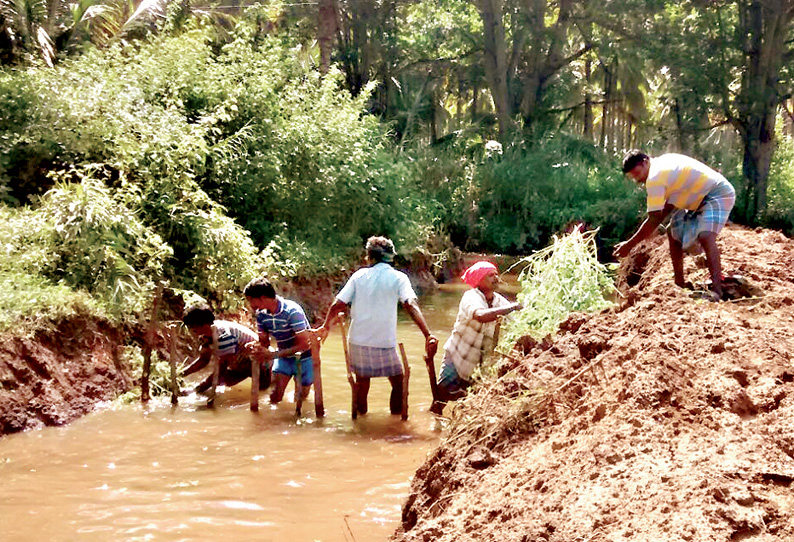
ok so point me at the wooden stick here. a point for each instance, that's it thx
(431, 373)
(351, 378)
(255, 365)
(147, 344)
(298, 385)
(575, 377)
(496, 330)
(216, 367)
(406, 377)
(172, 362)
(319, 408)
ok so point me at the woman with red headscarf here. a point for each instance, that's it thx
(473, 333)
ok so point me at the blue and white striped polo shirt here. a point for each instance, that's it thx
(232, 336)
(288, 320)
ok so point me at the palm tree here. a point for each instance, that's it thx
(43, 28)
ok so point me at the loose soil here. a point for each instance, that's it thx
(667, 418)
(57, 375)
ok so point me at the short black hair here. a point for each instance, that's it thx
(632, 158)
(198, 315)
(260, 287)
(380, 249)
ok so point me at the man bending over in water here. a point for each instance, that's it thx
(236, 349)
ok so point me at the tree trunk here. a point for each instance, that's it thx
(605, 107)
(460, 102)
(475, 101)
(327, 27)
(759, 148)
(495, 60)
(764, 28)
(588, 102)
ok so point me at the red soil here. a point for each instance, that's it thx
(686, 434)
(58, 375)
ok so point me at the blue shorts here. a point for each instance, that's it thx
(286, 366)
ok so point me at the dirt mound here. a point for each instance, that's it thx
(56, 376)
(667, 418)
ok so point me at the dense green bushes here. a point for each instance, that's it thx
(196, 161)
(206, 161)
(514, 201)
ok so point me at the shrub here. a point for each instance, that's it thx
(527, 195)
(563, 278)
(28, 294)
(779, 213)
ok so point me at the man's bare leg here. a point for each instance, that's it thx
(280, 382)
(677, 256)
(362, 391)
(708, 240)
(396, 396)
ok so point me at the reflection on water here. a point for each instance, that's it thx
(190, 473)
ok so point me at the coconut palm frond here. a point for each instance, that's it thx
(46, 46)
(114, 19)
(23, 17)
(28, 22)
(147, 9)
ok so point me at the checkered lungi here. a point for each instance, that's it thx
(711, 216)
(369, 361)
(449, 379)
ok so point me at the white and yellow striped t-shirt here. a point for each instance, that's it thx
(680, 181)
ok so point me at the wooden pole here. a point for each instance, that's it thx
(319, 408)
(255, 365)
(406, 378)
(216, 367)
(147, 344)
(298, 385)
(496, 330)
(351, 378)
(431, 373)
(172, 361)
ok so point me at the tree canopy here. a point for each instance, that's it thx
(207, 142)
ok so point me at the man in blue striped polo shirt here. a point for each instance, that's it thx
(284, 321)
(235, 351)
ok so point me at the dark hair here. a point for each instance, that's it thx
(380, 249)
(260, 287)
(198, 315)
(632, 158)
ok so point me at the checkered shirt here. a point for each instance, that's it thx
(471, 339)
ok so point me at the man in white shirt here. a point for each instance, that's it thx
(372, 295)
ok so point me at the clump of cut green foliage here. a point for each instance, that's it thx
(562, 278)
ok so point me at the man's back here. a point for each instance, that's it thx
(373, 294)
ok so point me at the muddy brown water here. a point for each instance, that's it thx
(161, 474)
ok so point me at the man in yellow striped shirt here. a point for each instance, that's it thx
(698, 200)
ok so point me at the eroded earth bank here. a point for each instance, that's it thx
(668, 418)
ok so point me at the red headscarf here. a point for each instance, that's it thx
(474, 274)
